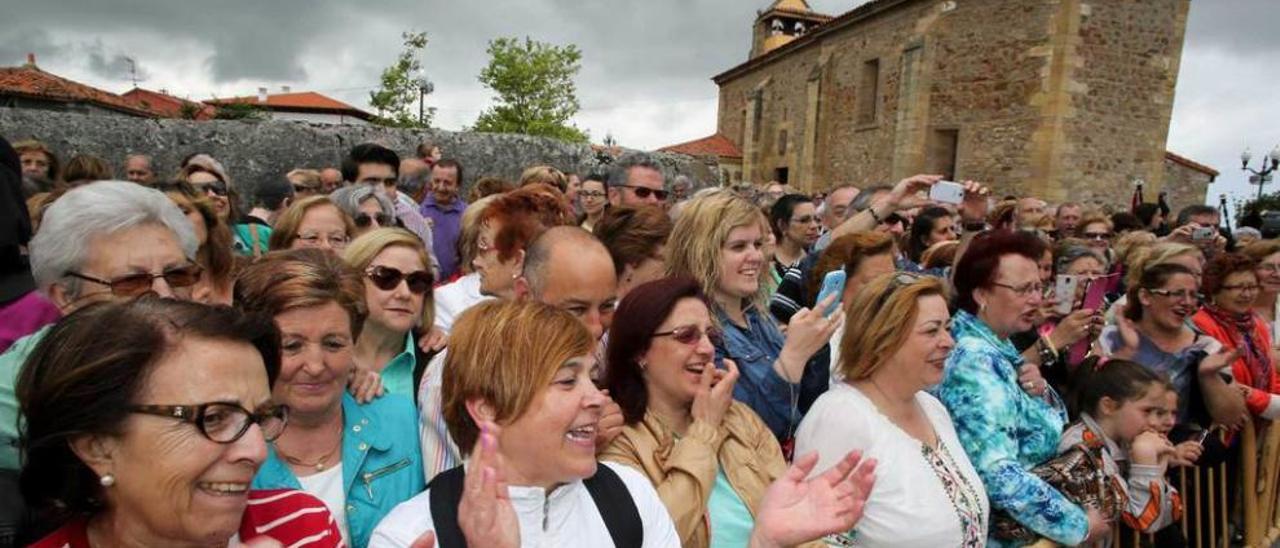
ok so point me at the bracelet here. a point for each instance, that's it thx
(1047, 346)
(877, 218)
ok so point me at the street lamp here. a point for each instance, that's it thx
(1260, 178)
(425, 87)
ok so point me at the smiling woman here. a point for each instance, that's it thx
(152, 435)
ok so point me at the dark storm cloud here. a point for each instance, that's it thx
(114, 65)
(15, 45)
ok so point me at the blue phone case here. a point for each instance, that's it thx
(832, 282)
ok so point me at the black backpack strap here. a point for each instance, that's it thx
(445, 494)
(616, 507)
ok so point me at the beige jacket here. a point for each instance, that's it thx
(684, 470)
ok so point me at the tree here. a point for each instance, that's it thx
(401, 83)
(238, 111)
(534, 84)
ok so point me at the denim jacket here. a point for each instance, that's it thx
(755, 347)
(1006, 431)
(381, 463)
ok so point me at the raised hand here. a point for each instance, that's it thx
(610, 423)
(906, 194)
(974, 207)
(1218, 361)
(807, 332)
(715, 393)
(1186, 453)
(795, 510)
(485, 514)
(434, 340)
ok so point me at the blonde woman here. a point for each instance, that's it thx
(397, 291)
(718, 241)
(883, 410)
(313, 222)
(452, 298)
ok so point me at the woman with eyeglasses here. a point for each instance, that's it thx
(1267, 254)
(719, 241)
(314, 222)
(883, 410)
(397, 290)
(1155, 330)
(593, 198)
(1005, 417)
(368, 208)
(796, 226)
(1231, 286)
(151, 436)
(361, 459)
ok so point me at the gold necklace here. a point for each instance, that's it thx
(319, 464)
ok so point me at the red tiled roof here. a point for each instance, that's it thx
(302, 101)
(717, 145)
(31, 82)
(167, 106)
(1187, 162)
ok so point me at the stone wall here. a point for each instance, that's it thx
(1066, 99)
(254, 151)
(1185, 184)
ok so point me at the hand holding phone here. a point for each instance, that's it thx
(832, 283)
(947, 192)
(1065, 290)
(1203, 233)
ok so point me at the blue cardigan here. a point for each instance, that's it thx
(381, 462)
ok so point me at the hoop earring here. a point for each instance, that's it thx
(107, 480)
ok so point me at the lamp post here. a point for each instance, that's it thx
(424, 87)
(1263, 176)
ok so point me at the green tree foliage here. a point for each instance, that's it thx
(535, 92)
(396, 102)
(239, 111)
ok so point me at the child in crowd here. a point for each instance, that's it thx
(1116, 401)
(1163, 421)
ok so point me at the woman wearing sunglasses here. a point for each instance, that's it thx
(151, 436)
(368, 208)
(710, 458)
(361, 459)
(397, 290)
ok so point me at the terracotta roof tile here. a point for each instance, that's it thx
(304, 101)
(165, 105)
(1183, 160)
(29, 81)
(717, 145)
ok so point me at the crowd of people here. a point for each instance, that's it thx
(356, 355)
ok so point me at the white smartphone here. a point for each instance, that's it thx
(1202, 233)
(947, 192)
(1065, 291)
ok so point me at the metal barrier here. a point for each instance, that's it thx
(1259, 466)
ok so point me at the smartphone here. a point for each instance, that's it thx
(832, 283)
(1095, 296)
(947, 192)
(1203, 233)
(1065, 290)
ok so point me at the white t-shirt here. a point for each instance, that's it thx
(909, 506)
(451, 300)
(570, 514)
(327, 486)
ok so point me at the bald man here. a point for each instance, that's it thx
(330, 179)
(565, 267)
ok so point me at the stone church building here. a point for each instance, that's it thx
(1062, 99)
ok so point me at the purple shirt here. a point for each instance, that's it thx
(446, 224)
(24, 316)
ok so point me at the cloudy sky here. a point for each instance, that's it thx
(646, 67)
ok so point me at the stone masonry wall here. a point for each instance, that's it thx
(254, 151)
(1184, 184)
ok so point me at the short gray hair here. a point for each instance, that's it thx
(349, 198)
(74, 221)
(620, 172)
(862, 201)
(1074, 253)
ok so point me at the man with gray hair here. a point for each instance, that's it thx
(415, 181)
(138, 168)
(680, 188)
(103, 241)
(636, 180)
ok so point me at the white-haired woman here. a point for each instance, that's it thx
(102, 241)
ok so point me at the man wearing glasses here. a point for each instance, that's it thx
(636, 180)
(103, 241)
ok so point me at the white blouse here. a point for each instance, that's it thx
(923, 497)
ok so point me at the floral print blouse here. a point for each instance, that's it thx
(1006, 431)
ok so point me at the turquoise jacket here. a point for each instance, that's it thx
(10, 366)
(243, 239)
(381, 462)
(1006, 431)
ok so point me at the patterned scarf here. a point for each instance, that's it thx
(1240, 327)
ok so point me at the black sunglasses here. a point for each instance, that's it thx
(223, 422)
(133, 285)
(364, 220)
(643, 192)
(387, 278)
(217, 187)
(691, 334)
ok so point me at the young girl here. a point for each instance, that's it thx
(1115, 401)
(1164, 419)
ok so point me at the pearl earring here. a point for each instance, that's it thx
(107, 480)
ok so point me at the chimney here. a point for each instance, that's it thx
(286, 89)
(262, 95)
(31, 59)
